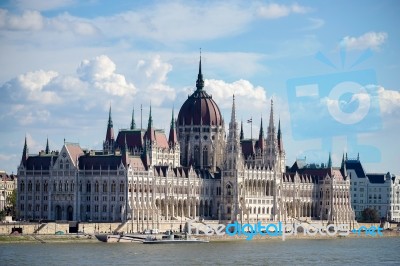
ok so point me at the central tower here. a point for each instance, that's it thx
(200, 128)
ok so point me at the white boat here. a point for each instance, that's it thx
(170, 238)
(127, 238)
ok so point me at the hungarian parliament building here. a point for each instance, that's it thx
(196, 171)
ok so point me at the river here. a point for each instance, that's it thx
(340, 251)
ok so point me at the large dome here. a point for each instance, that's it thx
(200, 108)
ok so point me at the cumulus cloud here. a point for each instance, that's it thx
(389, 101)
(244, 92)
(32, 87)
(155, 72)
(37, 97)
(100, 72)
(275, 11)
(372, 40)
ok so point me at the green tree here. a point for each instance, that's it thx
(370, 215)
(12, 201)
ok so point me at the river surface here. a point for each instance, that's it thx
(353, 251)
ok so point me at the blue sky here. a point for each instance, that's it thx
(64, 61)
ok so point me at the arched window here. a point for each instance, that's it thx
(60, 186)
(22, 186)
(121, 187)
(96, 187)
(54, 186)
(67, 165)
(88, 187)
(66, 187)
(45, 186)
(37, 187)
(196, 155)
(205, 156)
(61, 165)
(72, 186)
(30, 186)
(113, 186)
(105, 186)
(229, 190)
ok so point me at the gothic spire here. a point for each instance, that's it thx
(150, 130)
(110, 123)
(343, 169)
(24, 153)
(241, 131)
(172, 132)
(110, 130)
(200, 81)
(150, 123)
(133, 124)
(330, 161)
(261, 137)
(271, 116)
(233, 124)
(47, 147)
(280, 142)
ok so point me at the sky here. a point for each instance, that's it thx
(331, 68)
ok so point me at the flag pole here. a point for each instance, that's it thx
(251, 128)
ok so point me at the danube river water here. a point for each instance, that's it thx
(345, 251)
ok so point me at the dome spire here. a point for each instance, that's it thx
(200, 81)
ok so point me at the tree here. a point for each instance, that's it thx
(370, 215)
(12, 202)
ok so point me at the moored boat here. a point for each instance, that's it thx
(171, 238)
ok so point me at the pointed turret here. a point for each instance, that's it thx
(343, 168)
(261, 137)
(24, 153)
(233, 142)
(272, 145)
(279, 136)
(108, 145)
(110, 129)
(241, 131)
(125, 153)
(47, 147)
(150, 134)
(172, 140)
(329, 161)
(133, 124)
(232, 135)
(200, 81)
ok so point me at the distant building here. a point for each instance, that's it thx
(379, 191)
(196, 171)
(8, 182)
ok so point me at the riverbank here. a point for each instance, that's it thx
(46, 238)
(72, 238)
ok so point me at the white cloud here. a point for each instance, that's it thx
(47, 97)
(28, 20)
(244, 92)
(389, 101)
(372, 40)
(32, 87)
(274, 11)
(176, 22)
(100, 73)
